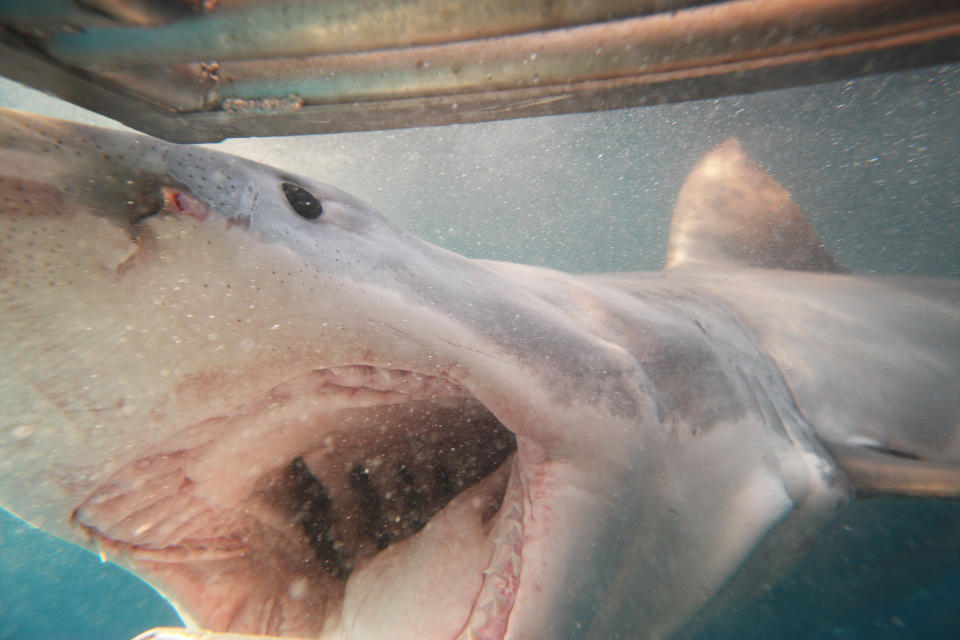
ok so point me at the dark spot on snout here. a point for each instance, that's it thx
(145, 204)
(307, 205)
(144, 197)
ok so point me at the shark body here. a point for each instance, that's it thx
(295, 419)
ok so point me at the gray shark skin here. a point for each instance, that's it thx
(295, 419)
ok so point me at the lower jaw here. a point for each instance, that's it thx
(501, 581)
(457, 578)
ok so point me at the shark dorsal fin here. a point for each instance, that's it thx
(731, 211)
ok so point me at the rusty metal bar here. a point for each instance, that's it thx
(375, 65)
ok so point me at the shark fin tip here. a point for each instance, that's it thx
(732, 211)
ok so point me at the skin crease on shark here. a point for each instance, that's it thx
(295, 419)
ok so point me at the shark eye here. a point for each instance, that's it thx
(306, 204)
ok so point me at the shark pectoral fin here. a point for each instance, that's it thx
(176, 633)
(877, 471)
(731, 211)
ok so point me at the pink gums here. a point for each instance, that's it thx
(501, 581)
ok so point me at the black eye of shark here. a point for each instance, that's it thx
(306, 205)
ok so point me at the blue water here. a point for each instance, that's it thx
(52, 590)
(888, 569)
(873, 162)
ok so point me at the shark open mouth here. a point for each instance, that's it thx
(336, 492)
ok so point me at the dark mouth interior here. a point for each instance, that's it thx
(363, 499)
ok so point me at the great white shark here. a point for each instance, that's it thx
(295, 419)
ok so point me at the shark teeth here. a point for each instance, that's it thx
(408, 383)
(501, 579)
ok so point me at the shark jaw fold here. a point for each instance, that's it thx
(289, 514)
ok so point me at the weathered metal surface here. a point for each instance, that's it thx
(202, 71)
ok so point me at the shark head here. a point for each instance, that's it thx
(290, 416)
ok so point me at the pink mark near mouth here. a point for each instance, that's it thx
(186, 203)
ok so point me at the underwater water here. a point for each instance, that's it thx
(874, 164)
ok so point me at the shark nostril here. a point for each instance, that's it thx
(145, 203)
